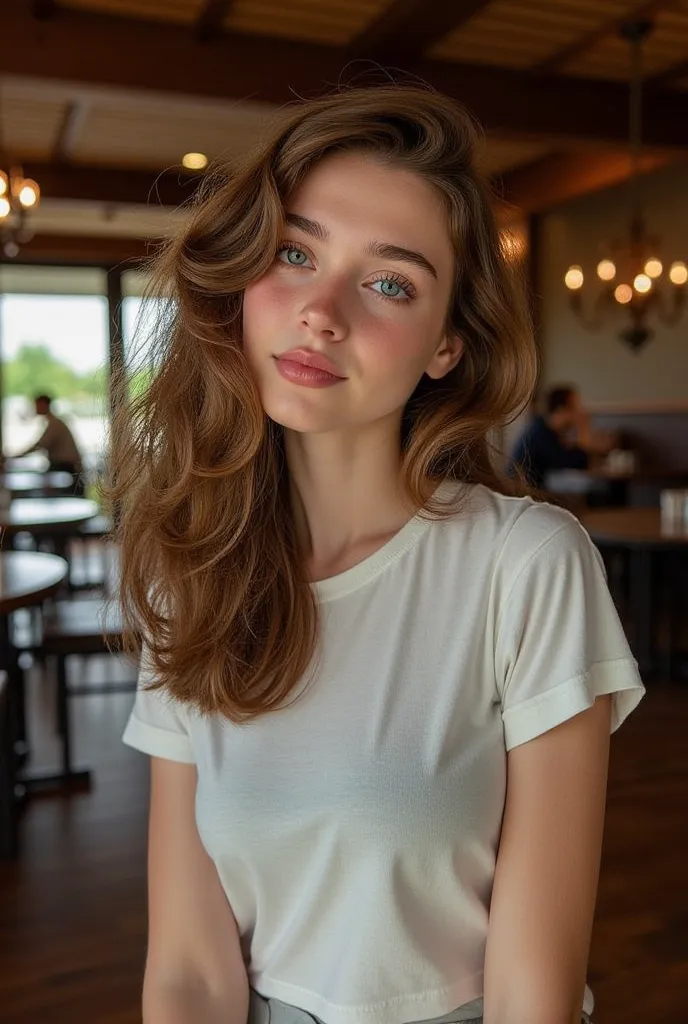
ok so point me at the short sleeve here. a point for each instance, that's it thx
(158, 725)
(559, 642)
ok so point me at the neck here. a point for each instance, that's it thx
(347, 494)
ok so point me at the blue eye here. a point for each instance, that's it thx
(293, 256)
(390, 289)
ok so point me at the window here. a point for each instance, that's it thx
(140, 312)
(54, 340)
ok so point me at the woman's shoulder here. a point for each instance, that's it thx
(515, 527)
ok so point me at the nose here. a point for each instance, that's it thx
(323, 317)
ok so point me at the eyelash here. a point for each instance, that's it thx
(403, 282)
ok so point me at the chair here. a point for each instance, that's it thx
(78, 627)
(99, 528)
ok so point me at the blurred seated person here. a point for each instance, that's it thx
(559, 439)
(57, 441)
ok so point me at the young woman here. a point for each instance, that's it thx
(376, 688)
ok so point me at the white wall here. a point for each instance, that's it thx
(599, 362)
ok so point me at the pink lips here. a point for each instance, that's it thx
(310, 369)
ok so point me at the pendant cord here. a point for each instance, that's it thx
(634, 33)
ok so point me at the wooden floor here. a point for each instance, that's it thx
(72, 909)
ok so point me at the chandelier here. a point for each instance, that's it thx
(630, 273)
(18, 195)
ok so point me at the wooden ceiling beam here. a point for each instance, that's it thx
(111, 185)
(647, 10)
(211, 19)
(85, 249)
(557, 108)
(561, 177)
(406, 29)
(84, 47)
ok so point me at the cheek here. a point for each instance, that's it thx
(265, 303)
(396, 350)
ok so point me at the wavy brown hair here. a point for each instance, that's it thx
(212, 575)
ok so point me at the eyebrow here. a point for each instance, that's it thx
(311, 227)
(382, 250)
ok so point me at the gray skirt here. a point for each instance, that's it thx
(272, 1011)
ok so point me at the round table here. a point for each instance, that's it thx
(37, 484)
(27, 578)
(640, 533)
(33, 463)
(47, 515)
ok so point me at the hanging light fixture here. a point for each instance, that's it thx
(631, 274)
(18, 196)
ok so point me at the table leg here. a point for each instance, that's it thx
(68, 778)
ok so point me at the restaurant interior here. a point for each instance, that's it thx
(111, 112)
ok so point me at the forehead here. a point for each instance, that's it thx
(356, 194)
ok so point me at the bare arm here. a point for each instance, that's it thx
(42, 442)
(547, 872)
(195, 973)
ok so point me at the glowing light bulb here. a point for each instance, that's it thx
(623, 293)
(606, 271)
(678, 273)
(3, 183)
(195, 161)
(642, 283)
(4, 207)
(29, 193)
(653, 267)
(574, 279)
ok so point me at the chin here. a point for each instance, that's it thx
(303, 417)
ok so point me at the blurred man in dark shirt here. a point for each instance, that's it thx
(57, 441)
(559, 439)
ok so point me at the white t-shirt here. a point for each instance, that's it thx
(356, 833)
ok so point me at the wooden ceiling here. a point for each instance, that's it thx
(100, 98)
(574, 37)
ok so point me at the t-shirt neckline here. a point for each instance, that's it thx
(363, 572)
(366, 570)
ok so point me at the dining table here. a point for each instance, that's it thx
(52, 522)
(656, 550)
(37, 485)
(46, 516)
(27, 578)
(36, 462)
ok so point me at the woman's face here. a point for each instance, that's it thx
(361, 285)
